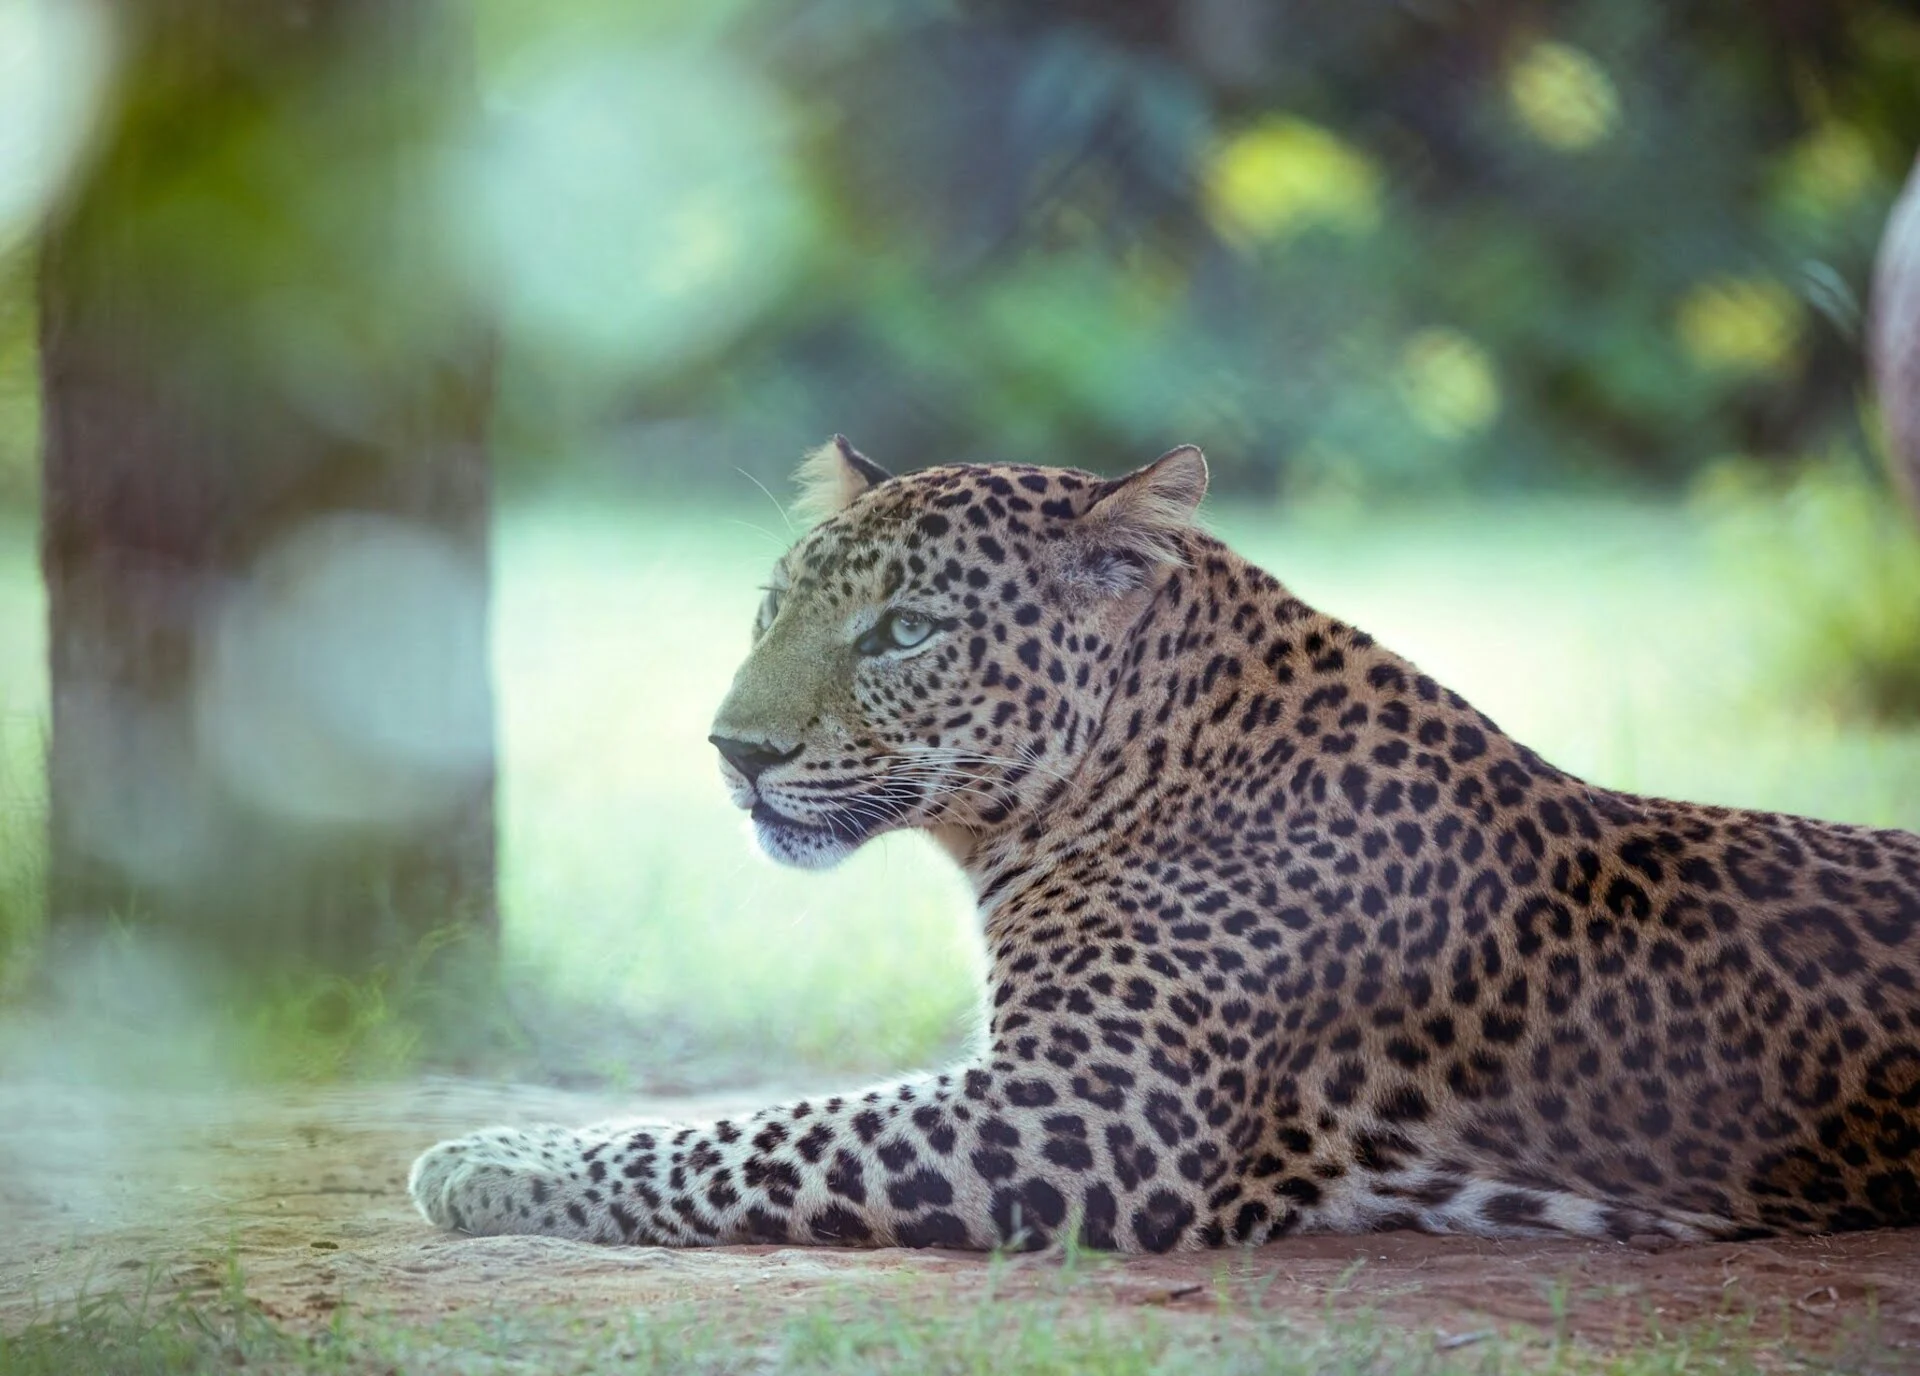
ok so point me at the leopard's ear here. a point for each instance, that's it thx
(832, 477)
(1135, 522)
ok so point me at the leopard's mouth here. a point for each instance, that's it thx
(847, 825)
(837, 826)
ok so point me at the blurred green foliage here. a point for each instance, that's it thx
(1373, 247)
(23, 706)
(1837, 571)
(19, 382)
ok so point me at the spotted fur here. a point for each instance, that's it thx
(1284, 936)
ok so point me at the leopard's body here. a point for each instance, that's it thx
(1283, 935)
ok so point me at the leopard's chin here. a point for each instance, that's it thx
(803, 845)
(824, 843)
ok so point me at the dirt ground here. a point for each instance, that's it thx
(306, 1188)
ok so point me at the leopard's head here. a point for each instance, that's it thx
(939, 650)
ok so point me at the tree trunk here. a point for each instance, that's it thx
(1894, 342)
(266, 494)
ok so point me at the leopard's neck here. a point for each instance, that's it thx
(1241, 712)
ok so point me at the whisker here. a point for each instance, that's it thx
(958, 755)
(758, 530)
(792, 534)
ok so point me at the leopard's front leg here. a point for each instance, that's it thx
(972, 1159)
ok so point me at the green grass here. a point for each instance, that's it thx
(1617, 640)
(1060, 1326)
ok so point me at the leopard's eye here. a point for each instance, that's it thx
(907, 630)
(896, 631)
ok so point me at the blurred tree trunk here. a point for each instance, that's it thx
(1895, 338)
(266, 493)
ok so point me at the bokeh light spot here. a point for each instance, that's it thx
(340, 686)
(1449, 384)
(1740, 325)
(1562, 96)
(55, 60)
(633, 208)
(1283, 176)
(1828, 171)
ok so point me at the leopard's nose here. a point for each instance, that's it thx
(751, 758)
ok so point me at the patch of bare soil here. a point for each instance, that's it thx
(306, 1189)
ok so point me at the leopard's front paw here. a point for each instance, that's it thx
(501, 1181)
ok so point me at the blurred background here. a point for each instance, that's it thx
(397, 402)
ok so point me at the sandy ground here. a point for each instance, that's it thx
(306, 1187)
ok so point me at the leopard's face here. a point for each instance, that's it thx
(938, 652)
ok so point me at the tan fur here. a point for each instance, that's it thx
(829, 481)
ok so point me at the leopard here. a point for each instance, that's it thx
(1282, 935)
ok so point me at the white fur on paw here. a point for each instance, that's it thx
(427, 1181)
(499, 1181)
